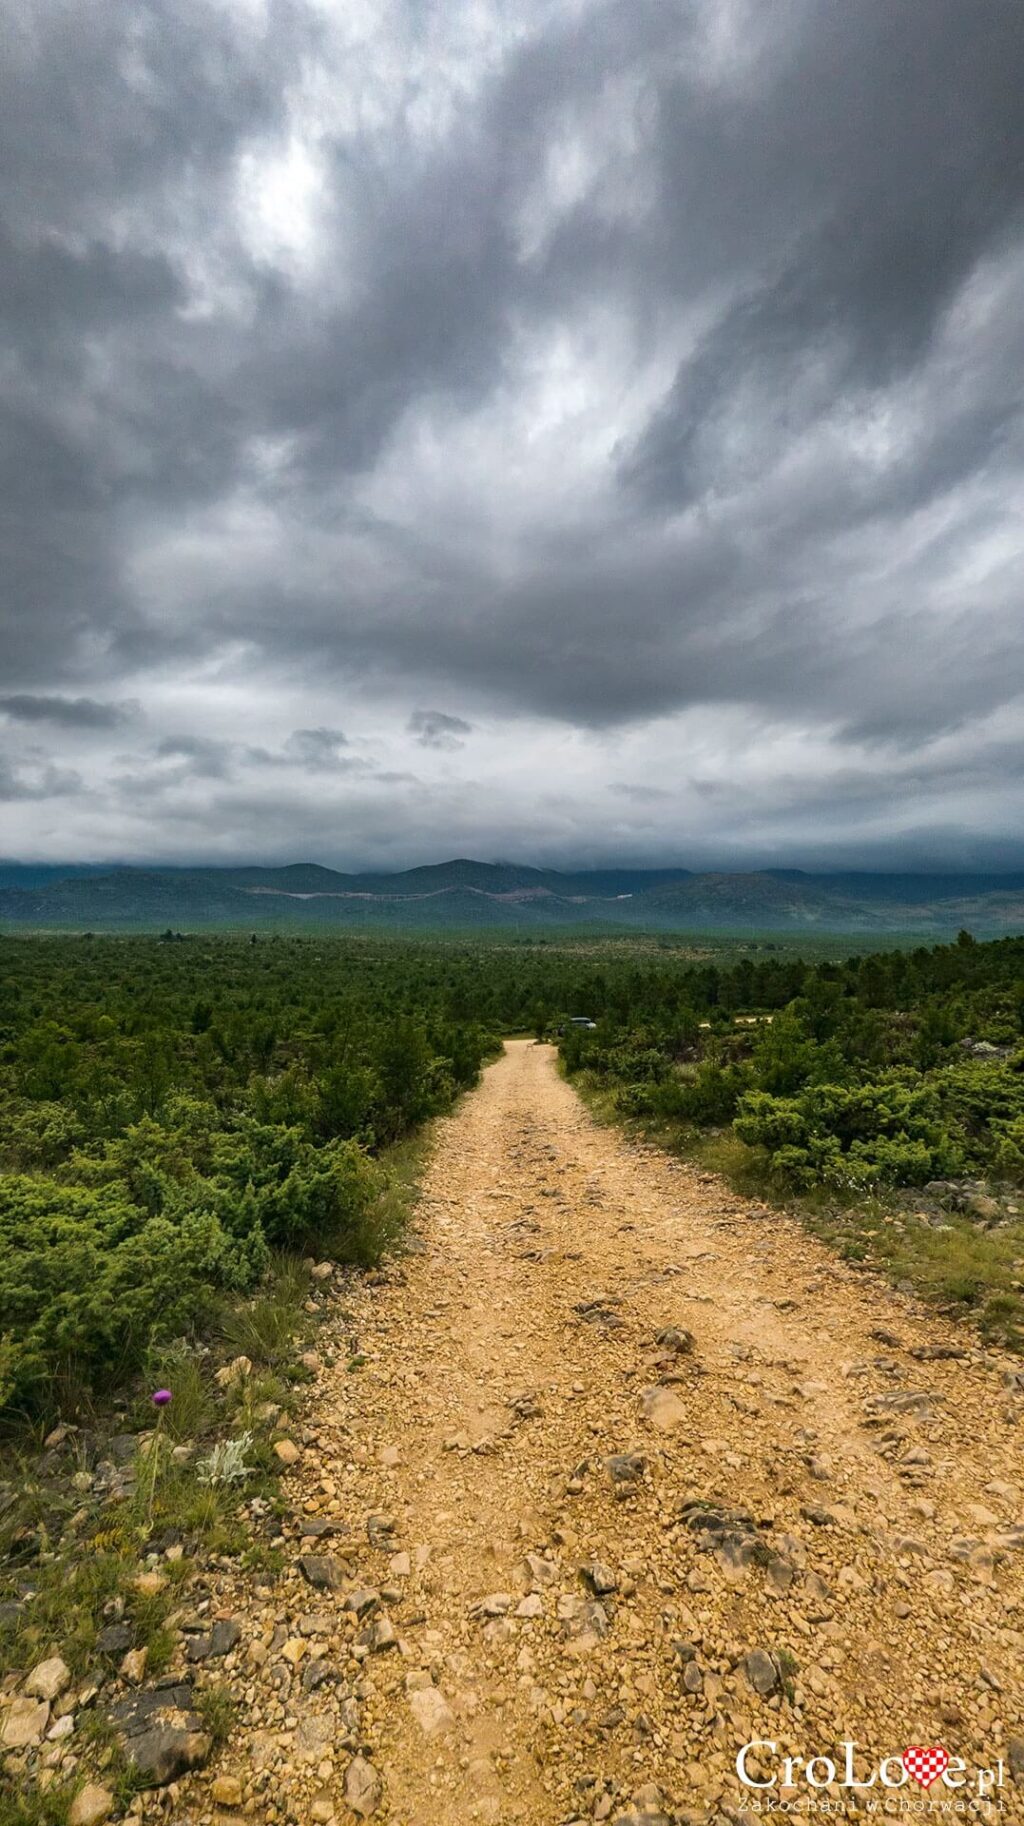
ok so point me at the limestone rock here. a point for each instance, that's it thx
(313, 1738)
(362, 1599)
(584, 1623)
(116, 1639)
(133, 1667)
(761, 1670)
(675, 1338)
(363, 1787)
(431, 1711)
(599, 1577)
(625, 1468)
(25, 1721)
(379, 1635)
(48, 1679)
(91, 1806)
(149, 1584)
(220, 1640)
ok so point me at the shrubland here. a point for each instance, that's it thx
(177, 1114)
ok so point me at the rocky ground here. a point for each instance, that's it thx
(611, 1474)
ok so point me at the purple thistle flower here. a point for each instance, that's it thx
(161, 1398)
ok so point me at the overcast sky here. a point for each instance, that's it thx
(541, 429)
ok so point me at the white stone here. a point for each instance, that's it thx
(48, 1678)
(362, 1787)
(24, 1723)
(431, 1711)
(91, 1806)
(662, 1409)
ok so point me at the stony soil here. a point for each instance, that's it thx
(503, 1628)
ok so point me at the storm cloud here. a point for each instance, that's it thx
(639, 383)
(436, 729)
(70, 712)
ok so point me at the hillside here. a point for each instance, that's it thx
(464, 894)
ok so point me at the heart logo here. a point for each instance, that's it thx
(925, 1763)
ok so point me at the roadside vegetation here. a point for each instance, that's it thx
(883, 1096)
(174, 1116)
(177, 1115)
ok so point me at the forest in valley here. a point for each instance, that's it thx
(176, 1113)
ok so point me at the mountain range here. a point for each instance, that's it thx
(464, 895)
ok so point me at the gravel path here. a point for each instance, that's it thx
(520, 1629)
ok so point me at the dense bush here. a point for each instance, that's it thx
(87, 1278)
(881, 1071)
(888, 1129)
(169, 1116)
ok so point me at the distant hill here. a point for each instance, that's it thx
(463, 895)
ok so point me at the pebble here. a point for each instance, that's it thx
(761, 1670)
(431, 1711)
(363, 1787)
(48, 1679)
(24, 1723)
(91, 1806)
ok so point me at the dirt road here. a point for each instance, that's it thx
(533, 1625)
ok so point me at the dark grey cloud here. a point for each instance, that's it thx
(203, 756)
(207, 758)
(853, 193)
(641, 383)
(317, 749)
(70, 712)
(435, 729)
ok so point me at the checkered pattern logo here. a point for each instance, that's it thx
(925, 1763)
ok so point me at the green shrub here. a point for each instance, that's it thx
(889, 1130)
(765, 1121)
(326, 1199)
(85, 1275)
(1009, 1149)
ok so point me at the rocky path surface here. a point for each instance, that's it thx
(561, 1562)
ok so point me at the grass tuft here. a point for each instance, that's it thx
(266, 1328)
(218, 1710)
